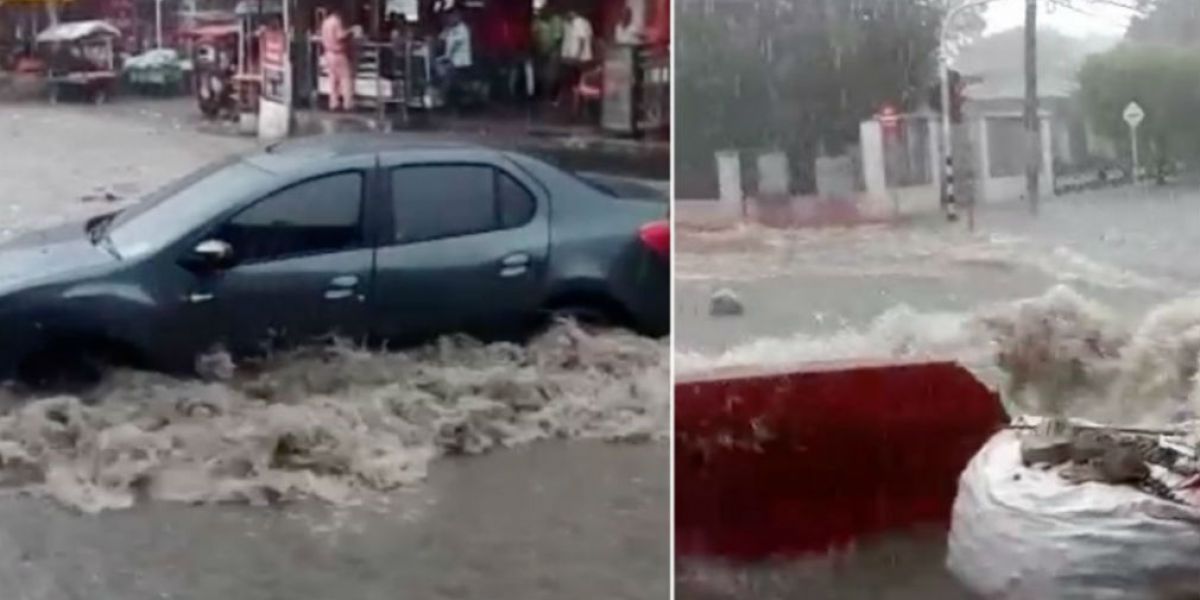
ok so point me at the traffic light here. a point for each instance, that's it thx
(957, 96)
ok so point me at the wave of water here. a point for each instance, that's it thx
(1056, 354)
(339, 424)
(750, 252)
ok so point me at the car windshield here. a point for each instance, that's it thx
(175, 209)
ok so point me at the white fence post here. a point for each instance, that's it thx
(729, 182)
(874, 173)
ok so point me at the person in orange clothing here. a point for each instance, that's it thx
(335, 40)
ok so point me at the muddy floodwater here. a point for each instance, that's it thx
(1092, 303)
(457, 470)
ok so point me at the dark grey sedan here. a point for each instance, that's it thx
(366, 237)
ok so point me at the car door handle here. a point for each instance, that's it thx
(344, 281)
(198, 298)
(515, 260)
(338, 294)
(514, 265)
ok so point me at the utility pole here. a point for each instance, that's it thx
(1032, 118)
(158, 23)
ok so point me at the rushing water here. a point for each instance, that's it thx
(456, 470)
(1060, 314)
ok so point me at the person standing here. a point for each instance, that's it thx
(628, 31)
(455, 60)
(576, 49)
(335, 41)
(548, 35)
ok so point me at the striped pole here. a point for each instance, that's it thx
(951, 204)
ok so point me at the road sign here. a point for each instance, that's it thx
(1134, 114)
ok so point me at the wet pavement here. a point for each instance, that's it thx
(556, 519)
(1129, 248)
(561, 520)
(811, 291)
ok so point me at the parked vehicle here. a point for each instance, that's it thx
(362, 236)
(80, 59)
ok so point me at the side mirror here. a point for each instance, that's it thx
(210, 254)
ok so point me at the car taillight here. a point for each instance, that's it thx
(657, 237)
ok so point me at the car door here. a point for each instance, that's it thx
(467, 251)
(300, 270)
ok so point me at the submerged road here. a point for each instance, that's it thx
(559, 519)
(809, 292)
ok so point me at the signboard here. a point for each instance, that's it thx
(274, 103)
(1134, 114)
(617, 106)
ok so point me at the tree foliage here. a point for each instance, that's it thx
(1175, 22)
(1164, 81)
(795, 74)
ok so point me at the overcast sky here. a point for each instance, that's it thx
(1090, 17)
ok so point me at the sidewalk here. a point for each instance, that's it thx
(579, 147)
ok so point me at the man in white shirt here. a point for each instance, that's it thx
(576, 49)
(456, 57)
(629, 31)
(577, 39)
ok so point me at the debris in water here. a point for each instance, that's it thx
(725, 303)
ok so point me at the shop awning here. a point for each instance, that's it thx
(78, 30)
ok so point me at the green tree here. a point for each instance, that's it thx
(1174, 22)
(1164, 81)
(795, 74)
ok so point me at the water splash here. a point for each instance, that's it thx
(339, 424)
(1056, 354)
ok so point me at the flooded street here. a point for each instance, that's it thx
(327, 474)
(918, 289)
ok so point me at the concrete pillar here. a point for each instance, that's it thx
(729, 182)
(1047, 132)
(874, 173)
(935, 150)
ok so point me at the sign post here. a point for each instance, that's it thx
(274, 104)
(1134, 115)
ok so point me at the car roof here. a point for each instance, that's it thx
(302, 152)
(354, 144)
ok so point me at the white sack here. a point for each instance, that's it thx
(1024, 533)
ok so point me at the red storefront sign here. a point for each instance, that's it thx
(273, 46)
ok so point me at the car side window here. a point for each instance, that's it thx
(318, 215)
(517, 205)
(439, 201)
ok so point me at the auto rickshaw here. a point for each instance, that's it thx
(80, 59)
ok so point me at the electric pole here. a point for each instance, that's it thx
(1032, 118)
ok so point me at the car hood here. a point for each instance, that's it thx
(47, 256)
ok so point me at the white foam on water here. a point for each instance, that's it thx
(338, 424)
(1055, 354)
(752, 252)
(900, 332)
